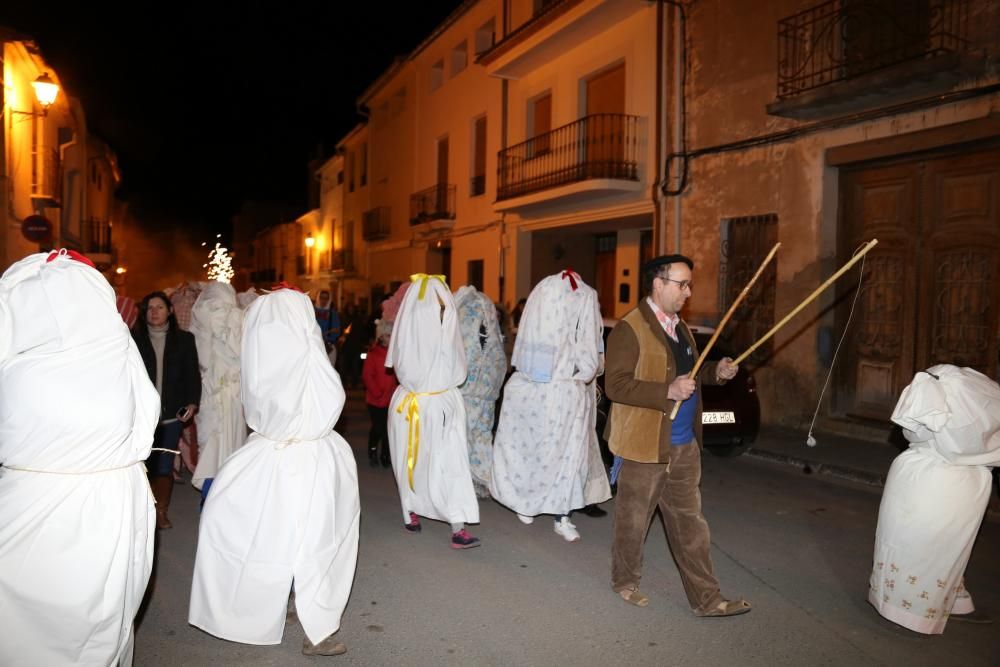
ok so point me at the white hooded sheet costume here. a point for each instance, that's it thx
(217, 325)
(285, 506)
(935, 497)
(77, 414)
(546, 459)
(427, 424)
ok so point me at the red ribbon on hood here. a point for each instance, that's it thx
(72, 254)
(284, 285)
(572, 275)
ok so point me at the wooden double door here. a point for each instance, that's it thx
(931, 288)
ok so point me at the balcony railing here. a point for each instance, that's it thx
(343, 259)
(841, 39)
(46, 175)
(97, 239)
(435, 203)
(603, 145)
(376, 224)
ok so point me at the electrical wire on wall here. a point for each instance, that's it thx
(682, 154)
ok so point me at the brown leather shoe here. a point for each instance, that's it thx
(326, 647)
(162, 488)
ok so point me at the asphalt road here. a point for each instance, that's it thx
(797, 546)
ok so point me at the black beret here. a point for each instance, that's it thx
(654, 264)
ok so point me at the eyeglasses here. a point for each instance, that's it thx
(680, 283)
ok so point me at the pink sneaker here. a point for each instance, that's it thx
(414, 525)
(462, 540)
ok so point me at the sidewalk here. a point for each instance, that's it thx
(836, 456)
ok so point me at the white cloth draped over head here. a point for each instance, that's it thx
(954, 411)
(487, 366)
(77, 414)
(546, 458)
(428, 356)
(935, 497)
(217, 326)
(285, 506)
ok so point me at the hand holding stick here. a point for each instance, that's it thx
(729, 313)
(861, 253)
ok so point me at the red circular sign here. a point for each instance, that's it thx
(36, 228)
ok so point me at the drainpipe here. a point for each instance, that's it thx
(502, 276)
(658, 141)
(679, 110)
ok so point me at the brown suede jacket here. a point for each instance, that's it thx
(638, 371)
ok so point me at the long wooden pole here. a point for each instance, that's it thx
(725, 319)
(868, 246)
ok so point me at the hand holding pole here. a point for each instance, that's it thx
(725, 319)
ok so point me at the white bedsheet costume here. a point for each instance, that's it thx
(285, 506)
(935, 497)
(77, 413)
(217, 325)
(427, 436)
(546, 459)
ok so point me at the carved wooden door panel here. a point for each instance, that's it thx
(960, 305)
(878, 357)
(931, 292)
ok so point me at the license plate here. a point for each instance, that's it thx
(718, 418)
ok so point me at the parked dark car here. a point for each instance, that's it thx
(731, 412)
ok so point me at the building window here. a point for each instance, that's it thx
(437, 75)
(350, 171)
(745, 243)
(478, 183)
(540, 122)
(363, 167)
(486, 36)
(475, 271)
(340, 177)
(459, 58)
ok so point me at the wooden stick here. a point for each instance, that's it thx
(868, 246)
(718, 329)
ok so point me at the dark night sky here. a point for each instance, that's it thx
(208, 105)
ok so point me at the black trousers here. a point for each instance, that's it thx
(379, 432)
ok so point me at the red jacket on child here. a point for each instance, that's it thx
(380, 382)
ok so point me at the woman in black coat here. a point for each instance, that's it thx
(171, 360)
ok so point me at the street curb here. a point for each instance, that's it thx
(832, 470)
(839, 472)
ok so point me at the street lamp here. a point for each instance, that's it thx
(310, 241)
(46, 91)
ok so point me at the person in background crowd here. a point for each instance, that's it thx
(76, 515)
(171, 359)
(380, 383)
(328, 319)
(356, 340)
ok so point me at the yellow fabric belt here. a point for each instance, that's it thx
(412, 407)
(422, 278)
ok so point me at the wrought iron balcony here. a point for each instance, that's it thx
(435, 203)
(342, 260)
(97, 237)
(376, 223)
(599, 146)
(840, 40)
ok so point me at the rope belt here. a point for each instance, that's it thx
(86, 472)
(412, 407)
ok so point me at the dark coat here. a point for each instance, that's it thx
(181, 376)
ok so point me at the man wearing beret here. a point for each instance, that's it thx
(650, 354)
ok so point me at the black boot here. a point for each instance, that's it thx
(373, 456)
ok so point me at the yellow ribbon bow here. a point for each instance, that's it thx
(423, 278)
(409, 403)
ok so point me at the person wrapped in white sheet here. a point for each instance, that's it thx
(487, 366)
(217, 325)
(427, 436)
(935, 498)
(284, 508)
(77, 413)
(546, 459)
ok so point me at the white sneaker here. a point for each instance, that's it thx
(526, 520)
(567, 530)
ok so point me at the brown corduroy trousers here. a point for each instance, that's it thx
(642, 487)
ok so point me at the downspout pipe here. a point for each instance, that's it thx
(658, 136)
